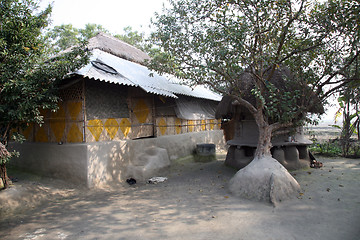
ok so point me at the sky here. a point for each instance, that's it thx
(115, 15)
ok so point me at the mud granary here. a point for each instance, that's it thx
(112, 109)
(241, 131)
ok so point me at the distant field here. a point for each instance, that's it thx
(321, 133)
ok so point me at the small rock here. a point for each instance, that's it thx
(131, 181)
(155, 180)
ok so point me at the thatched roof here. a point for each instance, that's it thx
(245, 84)
(114, 46)
(225, 109)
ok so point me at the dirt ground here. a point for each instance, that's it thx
(194, 203)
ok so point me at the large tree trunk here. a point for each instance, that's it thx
(264, 179)
(3, 175)
(4, 154)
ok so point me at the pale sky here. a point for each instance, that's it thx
(113, 15)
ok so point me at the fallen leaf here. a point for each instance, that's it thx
(226, 196)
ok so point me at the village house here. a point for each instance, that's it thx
(113, 109)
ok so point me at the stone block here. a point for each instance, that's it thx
(205, 152)
(148, 163)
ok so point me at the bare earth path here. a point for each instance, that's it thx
(194, 203)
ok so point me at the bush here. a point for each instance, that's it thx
(329, 148)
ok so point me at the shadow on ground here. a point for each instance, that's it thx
(194, 203)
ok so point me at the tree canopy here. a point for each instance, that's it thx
(28, 78)
(239, 46)
(214, 42)
(66, 35)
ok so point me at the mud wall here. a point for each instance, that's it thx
(98, 164)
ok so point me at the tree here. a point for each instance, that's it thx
(349, 101)
(216, 42)
(65, 36)
(28, 78)
(132, 37)
(91, 30)
(340, 18)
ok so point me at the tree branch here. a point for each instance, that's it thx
(328, 80)
(283, 37)
(242, 102)
(297, 51)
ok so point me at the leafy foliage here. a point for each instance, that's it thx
(329, 148)
(215, 42)
(349, 109)
(132, 37)
(65, 36)
(27, 78)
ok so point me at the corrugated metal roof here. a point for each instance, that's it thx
(123, 72)
(197, 91)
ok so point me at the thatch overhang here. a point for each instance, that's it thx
(245, 84)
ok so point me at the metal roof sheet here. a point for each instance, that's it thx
(120, 71)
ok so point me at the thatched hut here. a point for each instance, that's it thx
(112, 109)
(241, 132)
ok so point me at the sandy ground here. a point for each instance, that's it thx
(194, 203)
